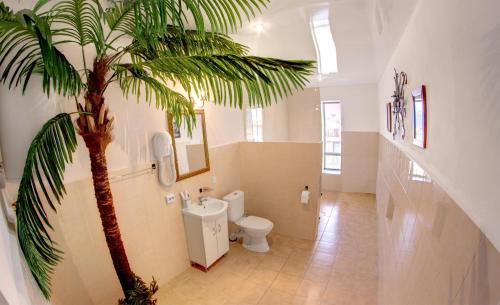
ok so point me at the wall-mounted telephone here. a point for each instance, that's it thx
(164, 154)
(4, 198)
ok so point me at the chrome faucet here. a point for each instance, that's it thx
(202, 198)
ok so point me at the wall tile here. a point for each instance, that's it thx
(430, 252)
(274, 175)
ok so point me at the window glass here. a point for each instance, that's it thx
(254, 125)
(332, 136)
(325, 45)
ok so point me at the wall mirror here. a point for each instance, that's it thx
(419, 117)
(191, 152)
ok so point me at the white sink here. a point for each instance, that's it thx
(210, 209)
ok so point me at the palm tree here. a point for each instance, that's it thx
(144, 46)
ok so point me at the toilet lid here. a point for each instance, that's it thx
(255, 222)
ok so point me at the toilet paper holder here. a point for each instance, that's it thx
(304, 196)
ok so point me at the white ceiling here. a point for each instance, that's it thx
(365, 33)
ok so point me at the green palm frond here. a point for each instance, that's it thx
(132, 17)
(42, 181)
(26, 47)
(134, 80)
(79, 21)
(5, 12)
(179, 42)
(120, 18)
(231, 78)
(223, 15)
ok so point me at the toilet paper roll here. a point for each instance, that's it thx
(304, 197)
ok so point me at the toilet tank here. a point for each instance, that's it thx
(236, 205)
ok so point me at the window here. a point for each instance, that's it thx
(325, 45)
(417, 173)
(254, 124)
(332, 136)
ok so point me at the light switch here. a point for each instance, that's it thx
(170, 198)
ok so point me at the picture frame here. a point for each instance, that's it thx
(419, 96)
(389, 117)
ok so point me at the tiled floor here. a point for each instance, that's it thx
(339, 268)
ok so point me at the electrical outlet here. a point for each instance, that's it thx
(170, 198)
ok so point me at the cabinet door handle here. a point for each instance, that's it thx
(220, 227)
(215, 231)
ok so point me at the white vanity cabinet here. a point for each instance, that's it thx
(207, 238)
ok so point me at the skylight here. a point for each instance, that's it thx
(325, 45)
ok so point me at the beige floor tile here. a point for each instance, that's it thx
(276, 297)
(272, 262)
(311, 289)
(322, 259)
(326, 247)
(317, 274)
(286, 283)
(299, 300)
(295, 267)
(247, 293)
(281, 250)
(301, 255)
(263, 276)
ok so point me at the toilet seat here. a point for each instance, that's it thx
(254, 222)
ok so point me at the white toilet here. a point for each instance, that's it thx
(255, 229)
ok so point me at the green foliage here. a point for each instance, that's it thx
(79, 21)
(179, 42)
(42, 179)
(154, 16)
(26, 47)
(141, 294)
(230, 78)
(133, 79)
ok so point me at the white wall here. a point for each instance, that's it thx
(275, 122)
(224, 125)
(452, 47)
(389, 19)
(359, 106)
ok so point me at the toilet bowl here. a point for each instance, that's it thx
(254, 229)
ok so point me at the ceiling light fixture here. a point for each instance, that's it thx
(258, 27)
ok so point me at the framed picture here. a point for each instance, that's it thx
(420, 117)
(177, 131)
(389, 117)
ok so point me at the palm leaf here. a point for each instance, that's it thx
(179, 42)
(26, 47)
(134, 80)
(42, 181)
(133, 17)
(231, 78)
(80, 22)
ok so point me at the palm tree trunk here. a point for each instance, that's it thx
(95, 127)
(108, 218)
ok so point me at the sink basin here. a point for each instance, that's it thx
(210, 209)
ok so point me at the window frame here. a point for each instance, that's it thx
(326, 170)
(260, 127)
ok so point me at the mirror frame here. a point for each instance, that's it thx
(205, 145)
